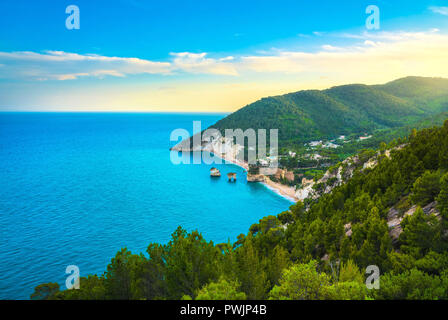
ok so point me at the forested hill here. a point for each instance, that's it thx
(313, 114)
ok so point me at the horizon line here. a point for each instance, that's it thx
(109, 111)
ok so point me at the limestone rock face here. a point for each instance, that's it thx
(338, 175)
(432, 209)
(305, 192)
(306, 181)
(394, 219)
(393, 222)
(289, 175)
(348, 229)
(255, 178)
(280, 174)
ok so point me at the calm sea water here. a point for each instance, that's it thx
(77, 187)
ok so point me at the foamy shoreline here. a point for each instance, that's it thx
(282, 190)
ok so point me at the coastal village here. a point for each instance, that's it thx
(293, 174)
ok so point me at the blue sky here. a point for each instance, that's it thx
(197, 55)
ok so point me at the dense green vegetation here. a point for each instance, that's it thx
(306, 252)
(315, 168)
(312, 114)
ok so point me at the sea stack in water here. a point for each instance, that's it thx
(231, 176)
(214, 172)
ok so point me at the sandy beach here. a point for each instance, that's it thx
(285, 191)
(229, 160)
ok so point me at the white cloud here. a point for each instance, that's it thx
(379, 56)
(439, 10)
(60, 65)
(329, 47)
(371, 55)
(370, 43)
(98, 73)
(67, 76)
(389, 36)
(229, 58)
(199, 63)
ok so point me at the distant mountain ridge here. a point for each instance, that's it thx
(314, 114)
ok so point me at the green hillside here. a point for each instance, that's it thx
(312, 114)
(376, 107)
(414, 87)
(430, 94)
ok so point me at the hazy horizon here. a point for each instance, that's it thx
(142, 110)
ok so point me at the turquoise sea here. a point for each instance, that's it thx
(77, 187)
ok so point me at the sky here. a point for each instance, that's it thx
(207, 55)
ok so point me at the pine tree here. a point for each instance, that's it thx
(426, 188)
